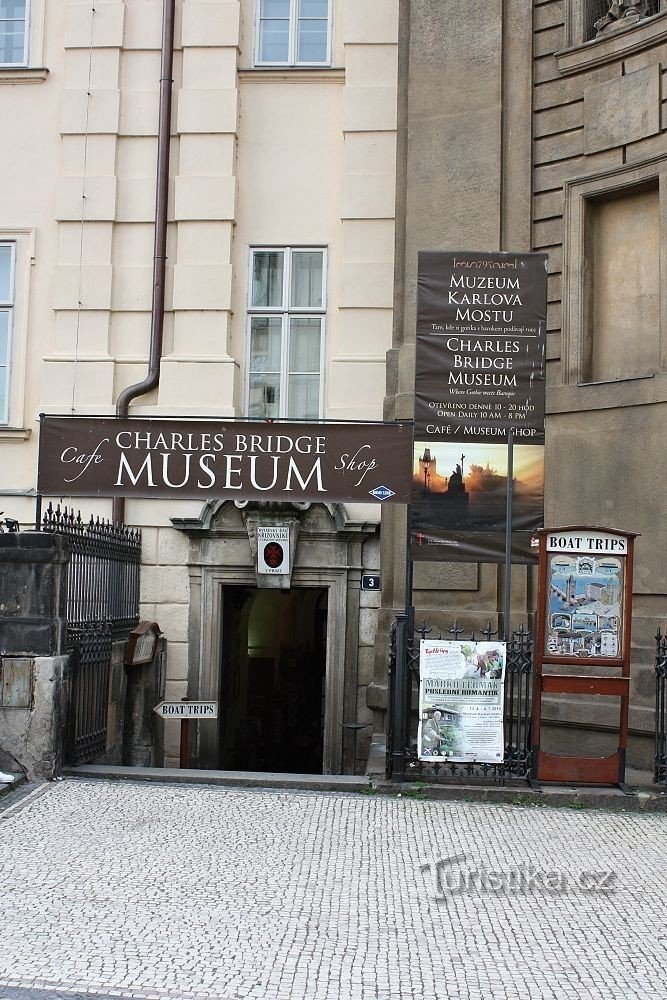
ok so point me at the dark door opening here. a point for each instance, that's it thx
(273, 676)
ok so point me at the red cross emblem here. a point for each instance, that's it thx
(273, 555)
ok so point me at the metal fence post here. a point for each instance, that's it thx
(660, 774)
(399, 701)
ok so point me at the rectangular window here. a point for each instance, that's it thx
(293, 33)
(622, 288)
(13, 32)
(7, 270)
(286, 311)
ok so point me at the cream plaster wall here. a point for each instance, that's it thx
(29, 106)
(315, 155)
(280, 157)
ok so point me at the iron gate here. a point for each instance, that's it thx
(660, 775)
(403, 763)
(89, 693)
(102, 605)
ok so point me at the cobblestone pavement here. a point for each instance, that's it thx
(153, 891)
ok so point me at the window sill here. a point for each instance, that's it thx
(23, 74)
(293, 74)
(17, 433)
(610, 48)
(590, 396)
(616, 381)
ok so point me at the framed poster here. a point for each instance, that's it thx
(461, 698)
(585, 588)
(584, 623)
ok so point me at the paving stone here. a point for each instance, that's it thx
(159, 892)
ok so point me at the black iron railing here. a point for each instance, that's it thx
(403, 762)
(102, 604)
(102, 574)
(89, 698)
(660, 775)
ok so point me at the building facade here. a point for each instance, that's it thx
(317, 146)
(541, 126)
(278, 303)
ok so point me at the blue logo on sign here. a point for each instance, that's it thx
(382, 493)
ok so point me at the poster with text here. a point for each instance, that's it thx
(481, 335)
(461, 691)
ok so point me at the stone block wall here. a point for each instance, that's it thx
(600, 143)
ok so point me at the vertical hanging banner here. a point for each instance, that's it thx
(481, 337)
(461, 701)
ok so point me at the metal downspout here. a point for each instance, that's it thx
(160, 242)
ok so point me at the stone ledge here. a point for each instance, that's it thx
(23, 74)
(233, 779)
(644, 390)
(16, 433)
(292, 74)
(518, 794)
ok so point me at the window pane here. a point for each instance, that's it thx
(5, 273)
(3, 393)
(304, 345)
(313, 8)
(264, 396)
(267, 279)
(304, 397)
(12, 41)
(4, 358)
(12, 8)
(274, 41)
(265, 344)
(4, 336)
(274, 8)
(312, 41)
(306, 279)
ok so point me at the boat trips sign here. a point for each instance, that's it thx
(139, 457)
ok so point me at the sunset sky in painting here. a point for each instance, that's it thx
(528, 459)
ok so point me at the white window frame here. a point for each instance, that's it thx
(26, 41)
(9, 306)
(286, 312)
(12, 424)
(293, 38)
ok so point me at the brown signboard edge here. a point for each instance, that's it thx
(274, 426)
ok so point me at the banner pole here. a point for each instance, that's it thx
(409, 572)
(508, 535)
(38, 495)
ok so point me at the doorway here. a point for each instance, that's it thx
(272, 685)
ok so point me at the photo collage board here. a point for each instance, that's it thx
(584, 605)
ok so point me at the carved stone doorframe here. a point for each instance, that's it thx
(328, 556)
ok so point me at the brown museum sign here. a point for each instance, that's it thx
(141, 457)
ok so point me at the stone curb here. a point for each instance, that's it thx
(230, 779)
(638, 800)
